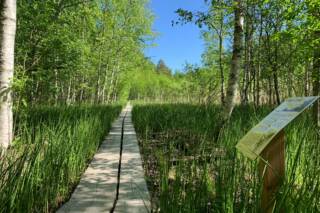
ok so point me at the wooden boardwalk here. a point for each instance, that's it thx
(108, 187)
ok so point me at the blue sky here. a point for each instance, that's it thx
(175, 44)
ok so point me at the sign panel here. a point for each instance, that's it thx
(257, 139)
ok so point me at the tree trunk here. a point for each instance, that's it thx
(270, 91)
(259, 57)
(68, 99)
(56, 97)
(235, 63)
(98, 91)
(221, 69)
(276, 86)
(275, 68)
(246, 74)
(105, 83)
(316, 79)
(114, 92)
(275, 64)
(290, 81)
(81, 90)
(7, 42)
(111, 83)
(221, 58)
(306, 79)
(290, 76)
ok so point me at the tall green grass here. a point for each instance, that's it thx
(52, 148)
(187, 171)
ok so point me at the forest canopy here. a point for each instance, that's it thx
(69, 52)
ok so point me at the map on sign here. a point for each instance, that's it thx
(257, 139)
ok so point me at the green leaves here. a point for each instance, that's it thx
(63, 45)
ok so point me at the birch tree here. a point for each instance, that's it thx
(235, 62)
(7, 42)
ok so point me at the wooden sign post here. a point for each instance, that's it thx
(272, 170)
(266, 142)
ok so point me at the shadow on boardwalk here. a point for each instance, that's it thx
(98, 186)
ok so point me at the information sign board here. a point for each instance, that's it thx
(257, 139)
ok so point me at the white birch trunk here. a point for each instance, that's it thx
(236, 61)
(7, 42)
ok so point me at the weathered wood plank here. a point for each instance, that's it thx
(97, 189)
(133, 193)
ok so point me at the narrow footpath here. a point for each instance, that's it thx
(114, 180)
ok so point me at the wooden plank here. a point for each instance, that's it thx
(97, 188)
(133, 193)
(272, 171)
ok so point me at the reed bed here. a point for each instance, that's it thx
(52, 148)
(188, 171)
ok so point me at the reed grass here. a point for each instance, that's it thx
(187, 171)
(52, 148)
